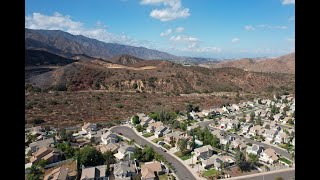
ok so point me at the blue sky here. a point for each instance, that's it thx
(201, 28)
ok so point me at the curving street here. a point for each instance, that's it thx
(182, 172)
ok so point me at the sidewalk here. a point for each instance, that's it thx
(193, 171)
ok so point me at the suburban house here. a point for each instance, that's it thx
(159, 132)
(246, 127)
(60, 173)
(203, 152)
(174, 136)
(109, 147)
(96, 134)
(293, 141)
(281, 137)
(124, 150)
(153, 126)
(97, 172)
(219, 134)
(124, 170)
(182, 118)
(254, 149)
(216, 161)
(189, 128)
(89, 127)
(109, 137)
(238, 144)
(269, 156)
(286, 119)
(150, 170)
(39, 144)
(37, 130)
(269, 134)
(236, 107)
(207, 112)
(227, 139)
(51, 155)
(225, 109)
(144, 119)
(277, 117)
(258, 112)
(256, 130)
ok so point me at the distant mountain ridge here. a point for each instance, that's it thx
(68, 45)
(283, 64)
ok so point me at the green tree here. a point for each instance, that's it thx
(241, 161)
(66, 148)
(89, 156)
(184, 126)
(139, 128)
(35, 173)
(253, 159)
(252, 115)
(148, 154)
(42, 163)
(109, 159)
(182, 145)
(135, 120)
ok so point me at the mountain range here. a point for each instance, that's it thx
(283, 64)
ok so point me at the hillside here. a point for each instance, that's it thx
(157, 76)
(68, 45)
(284, 64)
(125, 59)
(39, 57)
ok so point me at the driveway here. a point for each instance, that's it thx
(181, 171)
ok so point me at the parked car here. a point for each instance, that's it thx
(161, 143)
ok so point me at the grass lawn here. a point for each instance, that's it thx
(285, 160)
(166, 146)
(158, 139)
(210, 172)
(148, 135)
(163, 177)
(183, 157)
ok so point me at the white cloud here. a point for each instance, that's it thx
(173, 9)
(235, 40)
(64, 22)
(166, 33)
(287, 2)
(179, 29)
(183, 38)
(249, 28)
(264, 26)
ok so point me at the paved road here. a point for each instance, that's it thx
(287, 174)
(278, 150)
(182, 172)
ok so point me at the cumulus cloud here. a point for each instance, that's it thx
(287, 2)
(249, 28)
(235, 40)
(64, 22)
(166, 33)
(172, 9)
(179, 29)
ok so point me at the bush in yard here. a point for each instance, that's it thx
(135, 120)
(139, 128)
